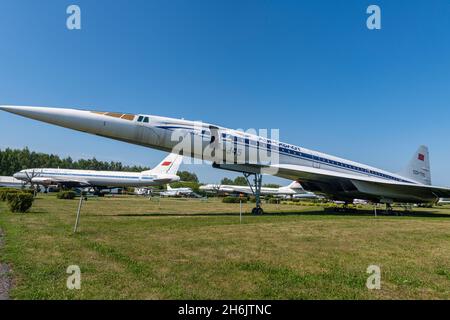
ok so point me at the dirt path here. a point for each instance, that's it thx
(5, 281)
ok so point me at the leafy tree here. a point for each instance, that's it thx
(187, 176)
(14, 160)
(271, 185)
(227, 181)
(186, 184)
(240, 181)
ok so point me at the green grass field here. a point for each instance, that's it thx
(136, 248)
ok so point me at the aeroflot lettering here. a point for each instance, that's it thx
(224, 147)
(260, 150)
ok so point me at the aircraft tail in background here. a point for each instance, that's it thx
(418, 168)
(169, 165)
(295, 185)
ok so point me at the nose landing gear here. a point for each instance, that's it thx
(257, 211)
(256, 190)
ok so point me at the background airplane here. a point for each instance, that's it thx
(163, 173)
(11, 182)
(294, 188)
(177, 192)
(443, 201)
(334, 177)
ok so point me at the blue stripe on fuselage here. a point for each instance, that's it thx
(301, 155)
(40, 174)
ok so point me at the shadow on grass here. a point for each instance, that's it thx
(358, 213)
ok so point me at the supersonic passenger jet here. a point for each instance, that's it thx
(336, 178)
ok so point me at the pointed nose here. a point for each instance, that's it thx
(12, 109)
(30, 112)
(69, 118)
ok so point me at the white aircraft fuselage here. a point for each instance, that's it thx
(163, 173)
(282, 191)
(335, 177)
(174, 192)
(48, 176)
(245, 189)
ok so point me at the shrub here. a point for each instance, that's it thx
(20, 201)
(29, 191)
(66, 195)
(5, 191)
(234, 200)
(273, 200)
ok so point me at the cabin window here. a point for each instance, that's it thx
(140, 118)
(146, 120)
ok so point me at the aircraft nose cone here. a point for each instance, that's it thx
(5, 108)
(20, 176)
(11, 108)
(21, 110)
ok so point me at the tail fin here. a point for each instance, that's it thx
(169, 165)
(418, 168)
(295, 185)
(168, 187)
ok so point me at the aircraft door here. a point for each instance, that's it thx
(215, 146)
(145, 132)
(315, 161)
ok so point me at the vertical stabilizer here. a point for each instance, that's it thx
(295, 185)
(418, 168)
(169, 165)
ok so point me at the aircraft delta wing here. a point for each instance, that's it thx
(347, 186)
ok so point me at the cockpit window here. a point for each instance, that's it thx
(140, 118)
(146, 119)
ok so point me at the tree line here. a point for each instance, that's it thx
(241, 181)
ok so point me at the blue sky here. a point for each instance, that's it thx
(310, 68)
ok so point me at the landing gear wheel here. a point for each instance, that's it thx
(257, 211)
(389, 210)
(256, 190)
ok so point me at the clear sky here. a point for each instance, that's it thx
(310, 68)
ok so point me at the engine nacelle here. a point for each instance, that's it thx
(42, 181)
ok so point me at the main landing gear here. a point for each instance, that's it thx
(389, 210)
(345, 208)
(256, 190)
